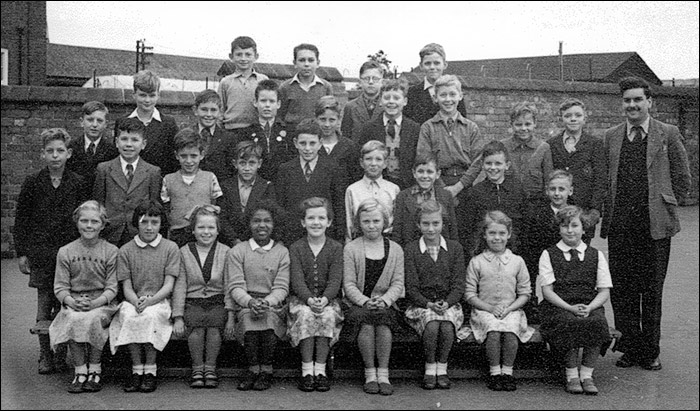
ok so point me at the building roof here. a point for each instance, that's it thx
(594, 67)
(74, 65)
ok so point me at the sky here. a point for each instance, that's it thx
(664, 34)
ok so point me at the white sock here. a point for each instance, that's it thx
(430, 368)
(383, 375)
(319, 369)
(137, 369)
(571, 373)
(507, 370)
(81, 369)
(586, 372)
(495, 370)
(441, 368)
(307, 368)
(96, 368)
(150, 369)
(370, 374)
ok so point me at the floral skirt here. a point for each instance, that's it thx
(302, 323)
(90, 327)
(151, 326)
(418, 317)
(483, 322)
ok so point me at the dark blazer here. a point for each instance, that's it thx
(234, 224)
(586, 164)
(540, 231)
(668, 173)
(328, 181)
(421, 107)
(356, 116)
(214, 158)
(430, 281)
(405, 212)
(121, 199)
(280, 151)
(85, 166)
(408, 135)
(160, 147)
(347, 154)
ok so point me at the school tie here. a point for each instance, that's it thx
(574, 255)
(391, 128)
(636, 133)
(307, 171)
(267, 129)
(450, 125)
(129, 174)
(91, 149)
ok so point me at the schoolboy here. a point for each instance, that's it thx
(406, 207)
(499, 191)
(398, 132)
(207, 111)
(581, 154)
(268, 132)
(530, 156)
(160, 129)
(237, 89)
(358, 112)
(188, 187)
(95, 147)
(244, 190)
(299, 95)
(310, 175)
(123, 183)
(422, 103)
(373, 159)
(334, 145)
(43, 224)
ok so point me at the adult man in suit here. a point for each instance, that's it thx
(94, 147)
(648, 173)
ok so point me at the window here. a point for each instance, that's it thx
(4, 67)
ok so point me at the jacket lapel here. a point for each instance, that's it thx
(616, 137)
(655, 140)
(139, 176)
(117, 174)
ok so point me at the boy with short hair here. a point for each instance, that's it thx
(160, 129)
(268, 132)
(358, 112)
(310, 175)
(188, 187)
(125, 182)
(237, 89)
(406, 207)
(422, 104)
(43, 224)
(398, 132)
(95, 147)
(244, 190)
(299, 95)
(207, 111)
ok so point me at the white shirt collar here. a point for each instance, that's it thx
(644, 126)
(87, 142)
(124, 163)
(368, 181)
(397, 119)
(317, 79)
(254, 246)
(504, 258)
(262, 122)
(143, 244)
(155, 116)
(424, 247)
(581, 248)
(426, 84)
(312, 163)
(201, 127)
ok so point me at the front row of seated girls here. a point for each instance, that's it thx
(243, 292)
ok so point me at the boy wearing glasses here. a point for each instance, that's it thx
(366, 107)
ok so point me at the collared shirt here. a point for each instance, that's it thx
(124, 163)
(419, 194)
(530, 162)
(645, 129)
(329, 146)
(312, 163)
(254, 246)
(307, 87)
(212, 129)
(238, 97)
(393, 144)
(429, 86)
(87, 142)
(434, 251)
(380, 189)
(244, 190)
(155, 116)
(570, 147)
(547, 275)
(458, 149)
(143, 244)
(371, 104)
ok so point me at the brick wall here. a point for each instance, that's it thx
(27, 111)
(24, 37)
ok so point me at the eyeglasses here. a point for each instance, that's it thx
(372, 79)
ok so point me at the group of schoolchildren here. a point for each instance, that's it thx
(267, 239)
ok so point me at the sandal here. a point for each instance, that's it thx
(197, 380)
(211, 380)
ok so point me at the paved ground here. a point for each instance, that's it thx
(675, 387)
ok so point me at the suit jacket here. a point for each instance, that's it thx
(81, 164)
(587, 165)
(408, 135)
(355, 116)
(234, 224)
(347, 154)
(120, 198)
(668, 174)
(328, 181)
(160, 147)
(280, 151)
(421, 107)
(214, 158)
(405, 212)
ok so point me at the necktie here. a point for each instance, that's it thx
(450, 125)
(91, 149)
(307, 171)
(129, 173)
(391, 128)
(206, 134)
(636, 133)
(574, 255)
(267, 130)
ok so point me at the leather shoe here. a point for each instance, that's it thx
(573, 386)
(46, 365)
(323, 384)
(371, 387)
(306, 383)
(495, 383)
(211, 380)
(652, 365)
(429, 382)
(148, 383)
(626, 361)
(133, 384)
(248, 382)
(443, 382)
(385, 388)
(76, 386)
(588, 387)
(508, 383)
(263, 382)
(93, 383)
